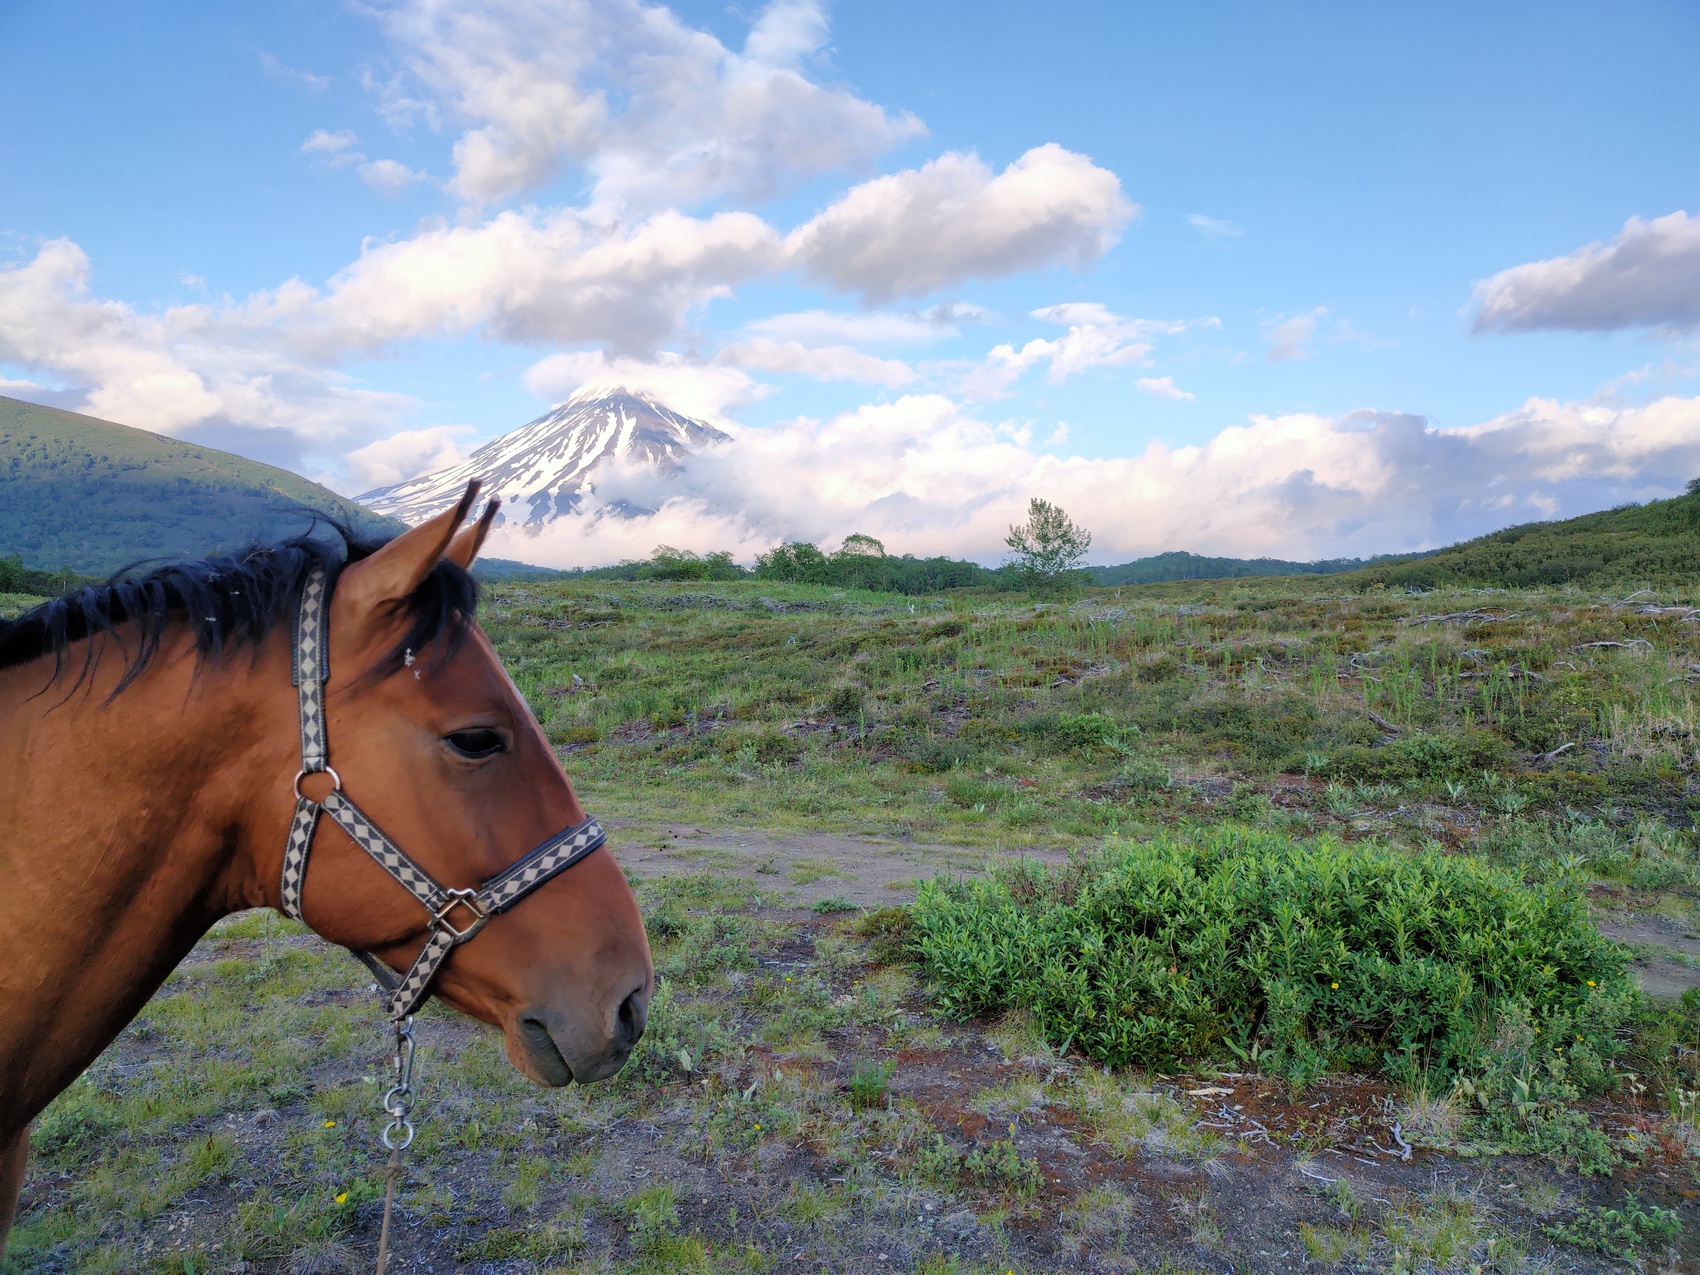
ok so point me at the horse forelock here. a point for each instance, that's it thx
(228, 603)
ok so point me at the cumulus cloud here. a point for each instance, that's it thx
(1290, 338)
(658, 112)
(1096, 337)
(336, 150)
(926, 477)
(185, 369)
(406, 454)
(389, 176)
(324, 142)
(1163, 387)
(917, 231)
(704, 391)
(823, 363)
(1648, 276)
(557, 278)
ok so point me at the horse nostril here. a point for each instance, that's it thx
(633, 1015)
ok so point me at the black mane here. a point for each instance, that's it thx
(228, 602)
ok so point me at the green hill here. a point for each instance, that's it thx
(92, 496)
(1648, 545)
(1179, 565)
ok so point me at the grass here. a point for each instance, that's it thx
(992, 721)
(1196, 754)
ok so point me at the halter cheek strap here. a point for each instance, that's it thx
(455, 915)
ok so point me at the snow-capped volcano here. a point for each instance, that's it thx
(544, 469)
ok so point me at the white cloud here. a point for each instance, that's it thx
(558, 278)
(406, 454)
(1649, 276)
(703, 391)
(324, 142)
(1096, 337)
(1077, 313)
(186, 368)
(1213, 227)
(926, 478)
(917, 231)
(390, 177)
(1163, 387)
(823, 363)
(277, 70)
(659, 113)
(1290, 338)
(867, 327)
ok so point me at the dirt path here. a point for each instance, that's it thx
(1668, 954)
(801, 870)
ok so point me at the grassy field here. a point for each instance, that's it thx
(784, 763)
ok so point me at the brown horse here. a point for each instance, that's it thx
(148, 737)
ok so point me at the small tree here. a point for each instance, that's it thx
(1048, 547)
(857, 545)
(1694, 486)
(800, 562)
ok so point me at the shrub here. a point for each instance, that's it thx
(1458, 755)
(1309, 954)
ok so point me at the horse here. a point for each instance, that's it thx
(149, 730)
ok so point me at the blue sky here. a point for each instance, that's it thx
(1275, 252)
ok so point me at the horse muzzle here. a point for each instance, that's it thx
(554, 1050)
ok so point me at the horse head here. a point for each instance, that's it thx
(439, 748)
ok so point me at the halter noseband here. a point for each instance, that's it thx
(470, 908)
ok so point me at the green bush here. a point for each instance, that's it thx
(1304, 955)
(1458, 755)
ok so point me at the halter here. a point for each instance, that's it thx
(455, 915)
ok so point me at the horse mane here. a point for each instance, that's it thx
(228, 602)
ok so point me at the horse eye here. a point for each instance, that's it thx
(476, 743)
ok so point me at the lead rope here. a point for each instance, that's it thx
(398, 1133)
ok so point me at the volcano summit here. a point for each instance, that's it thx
(545, 469)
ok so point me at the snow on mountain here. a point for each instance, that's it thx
(546, 468)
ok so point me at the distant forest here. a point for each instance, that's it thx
(863, 564)
(1179, 565)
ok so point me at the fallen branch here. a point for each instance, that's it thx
(1382, 722)
(1546, 757)
(1399, 1134)
(1461, 617)
(1631, 645)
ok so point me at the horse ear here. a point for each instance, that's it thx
(469, 540)
(396, 570)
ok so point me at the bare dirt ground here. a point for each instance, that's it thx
(800, 870)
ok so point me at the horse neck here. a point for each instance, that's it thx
(127, 827)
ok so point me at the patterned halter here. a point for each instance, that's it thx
(446, 906)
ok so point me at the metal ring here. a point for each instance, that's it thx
(399, 1106)
(403, 1126)
(323, 770)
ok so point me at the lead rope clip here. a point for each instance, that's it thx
(398, 1133)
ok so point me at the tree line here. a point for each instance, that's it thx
(1045, 554)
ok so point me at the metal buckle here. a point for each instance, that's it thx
(467, 899)
(322, 770)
